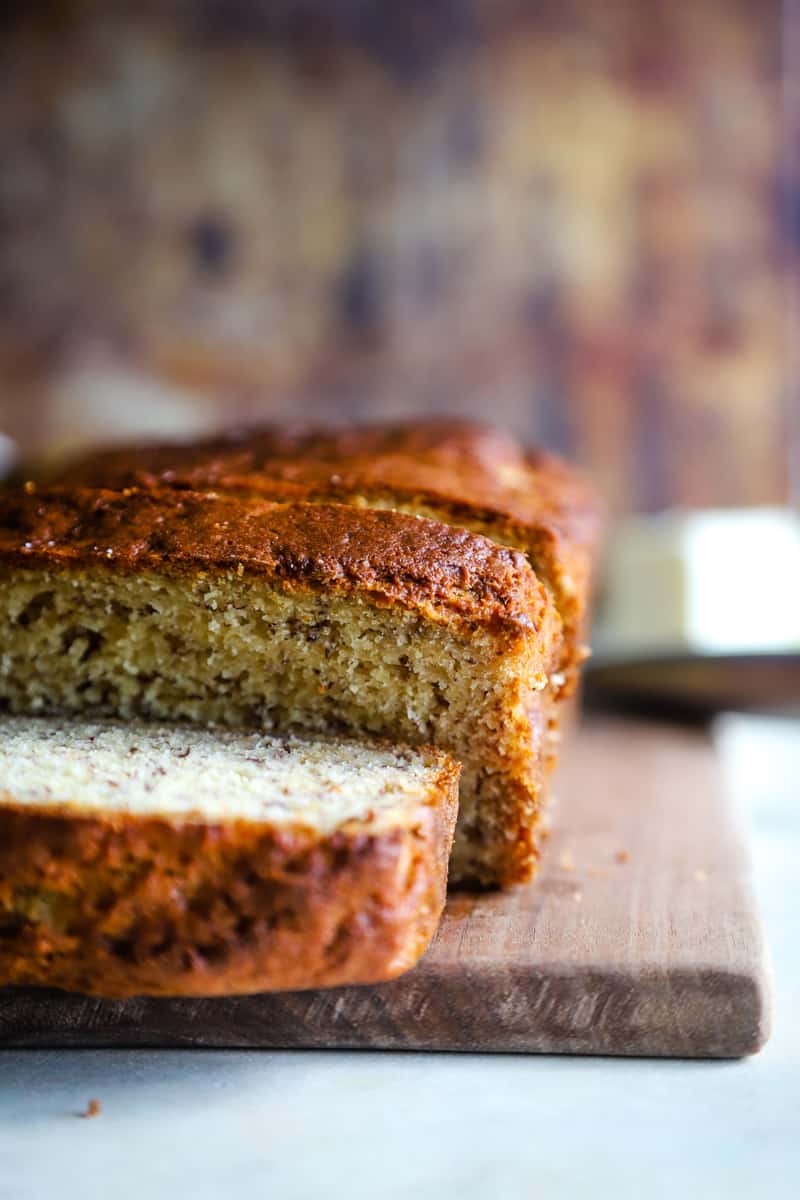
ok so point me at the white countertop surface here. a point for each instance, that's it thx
(291, 1125)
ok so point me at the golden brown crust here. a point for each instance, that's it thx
(119, 906)
(456, 471)
(456, 463)
(447, 443)
(395, 558)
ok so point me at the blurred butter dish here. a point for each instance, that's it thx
(700, 611)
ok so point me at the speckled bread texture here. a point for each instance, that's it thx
(316, 616)
(299, 864)
(457, 472)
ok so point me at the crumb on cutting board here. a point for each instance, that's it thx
(93, 1109)
(622, 856)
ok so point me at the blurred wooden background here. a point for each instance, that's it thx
(568, 217)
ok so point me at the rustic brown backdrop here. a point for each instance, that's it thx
(568, 217)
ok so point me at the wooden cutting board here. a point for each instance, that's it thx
(640, 936)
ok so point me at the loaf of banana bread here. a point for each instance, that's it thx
(301, 615)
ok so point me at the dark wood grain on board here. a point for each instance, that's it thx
(639, 937)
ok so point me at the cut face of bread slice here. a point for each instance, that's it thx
(302, 616)
(455, 472)
(161, 860)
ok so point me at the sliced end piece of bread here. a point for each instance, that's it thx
(149, 859)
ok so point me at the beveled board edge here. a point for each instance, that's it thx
(706, 1013)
